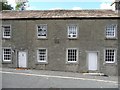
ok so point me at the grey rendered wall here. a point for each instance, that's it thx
(91, 37)
(119, 49)
(0, 43)
(17, 41)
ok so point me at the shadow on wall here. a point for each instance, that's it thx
(119, 49)
(0, 43)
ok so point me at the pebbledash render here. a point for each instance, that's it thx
(63, 40)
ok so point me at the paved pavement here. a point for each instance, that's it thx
(20, 78)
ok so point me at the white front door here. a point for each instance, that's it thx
(92, 60)
(22, 59)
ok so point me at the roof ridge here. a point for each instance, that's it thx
(57, 13)
(60, 10)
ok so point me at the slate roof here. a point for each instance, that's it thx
(56, 14)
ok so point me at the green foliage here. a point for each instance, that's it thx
(18, 6)
(5, 6)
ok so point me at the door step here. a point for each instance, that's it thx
(95, 74)
(21, 69)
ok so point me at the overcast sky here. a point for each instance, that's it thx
(66, 4)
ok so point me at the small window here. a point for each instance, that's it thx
(110, 55)
(6, 31)
(111, 31)
(72, 55)
(42, 55)
(42, 31)
(7, 54)
(72, 31)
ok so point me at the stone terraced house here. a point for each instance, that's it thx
(63, 40)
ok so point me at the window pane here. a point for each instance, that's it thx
(72, 31)
(42, 31)
(72, 55)
(110, 30)
(42, 54)
(6, 32)
(7, 54)
(110, 55)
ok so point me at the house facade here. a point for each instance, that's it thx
(61, 40)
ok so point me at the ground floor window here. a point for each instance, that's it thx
(110, 55)
(72, 55)
(7, 54)
(42, 55)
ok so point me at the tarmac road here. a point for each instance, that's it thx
(12, 78)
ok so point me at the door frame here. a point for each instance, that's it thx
(98, 59)
(18, 57)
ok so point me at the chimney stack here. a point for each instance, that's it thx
(117, 5)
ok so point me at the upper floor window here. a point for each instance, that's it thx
(6, 31)
(111, 31)
(7, 54)
(42, 31)
(110, 55)
(72, 31)
(72, 55)
(42, 55)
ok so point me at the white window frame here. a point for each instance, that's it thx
(67, 55)
(42, 37)
(4, 54)
(115, 31)
(74, 25)
(45, 61)
(115, 53)
(3, 30)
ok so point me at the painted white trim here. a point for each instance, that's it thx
(115, 57)
(46, 61)
(41, 37)
(3, 54)
(98, 58)
(76, 31)
(67, 56)
(115, 33)
(6, 37)
(26, 57)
